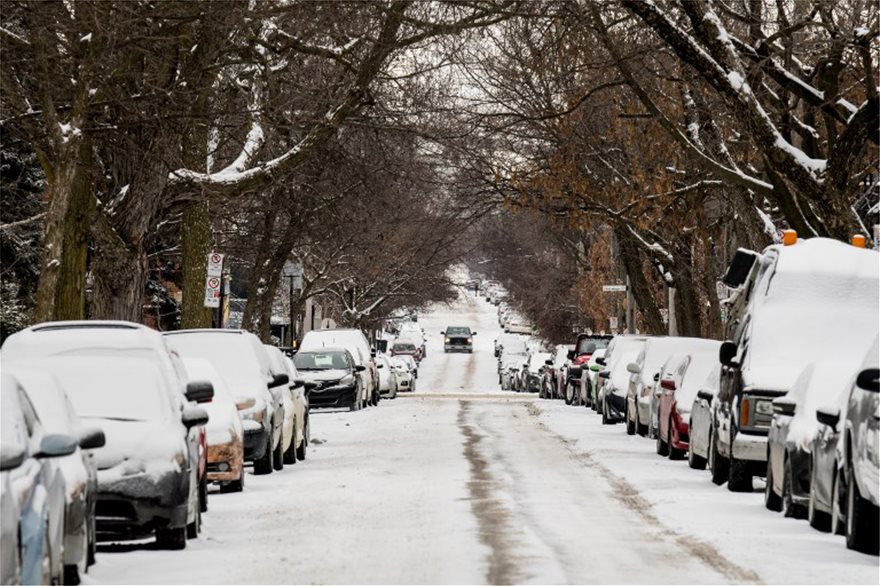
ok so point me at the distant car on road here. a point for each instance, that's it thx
(407, 348)
(332, 377)
(458, 339)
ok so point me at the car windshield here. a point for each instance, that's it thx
(404, 348)
(590, 345)
(457, 331)
(320, 361)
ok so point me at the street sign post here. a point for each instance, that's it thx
(212, 291)
(614, 288)
(215, 264)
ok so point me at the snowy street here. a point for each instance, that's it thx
(461, 483)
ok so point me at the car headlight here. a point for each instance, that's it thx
(256, 412)
(346, 380)
(448, 340)
(764, 407)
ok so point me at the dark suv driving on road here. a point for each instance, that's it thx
(458, 339)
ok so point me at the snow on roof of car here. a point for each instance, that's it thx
(59, 337)
(820, 302)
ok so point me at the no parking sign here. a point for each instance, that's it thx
(212, 292)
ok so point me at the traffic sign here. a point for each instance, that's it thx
(212, 292)
(612, 323)
(215, 264)
(614, 288)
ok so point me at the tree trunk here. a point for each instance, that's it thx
(632, 262)
(120, 276)
(196, 238)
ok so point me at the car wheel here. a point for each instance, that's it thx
(264, 464)
(861, 519)
(662, 446)
(71, 574)
(674, 453)
(278, 455)
(641, 429)
(203, 493)
(819, 520)
(171, 538)
(301, 450)
(605, 419)
(719, 466)
(837, 524)
(789, 507)
(193, 529)
(630, 425)
(739, 476)
(569, 393)
(290, 452)
(772, 501)
(694, 461)
(234, 485)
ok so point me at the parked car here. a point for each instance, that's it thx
(518, 324)
(680, 379)
(510, 366)
(845, 452)
(240, 359)
(356, 343)
(405, 372)
(387, 376)
(800, 297)
(532, 376)
(143, 469)
(409, 348)
(458, 339)
(109, 340)
(411, 331)
(295, 434)
(80, 472)
(615, 377)
(591, 369)
(702, 415)
(34, 491)
(584, 347)
(224, 427)
(332, 377)
(555, 372)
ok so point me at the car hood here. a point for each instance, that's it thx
(323, 375)
(135, 443)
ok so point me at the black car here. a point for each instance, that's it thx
(458, 339)
(330, 377)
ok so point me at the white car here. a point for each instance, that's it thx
(79, 468)
(296, 407)
(239, 357)
(702, 414)
(356, 343)
(225, 458)
(406, 372)
(615, 377)
(387, 376)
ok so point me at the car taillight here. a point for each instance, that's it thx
(744, 413)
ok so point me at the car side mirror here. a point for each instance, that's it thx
(570, 354)
(380, 365)
(11, 457)
(829, 416)
(200, 391)
(784, 406)
(656, 376)
(242, 403)
(299, 382)
(473, 333)
(373, 353)
(193, 416)
(705, 396)
(56, 445)
(605, 374)
(548, 362)
(633, 368)
(278, 380)
(360, 368)
(91, 439)
(601, 360)
(867, 380)
(727, 353)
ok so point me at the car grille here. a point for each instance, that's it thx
(113, 509)
(459, 341)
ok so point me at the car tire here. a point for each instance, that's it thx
(290, 452)
(739, 476)
(193, 529)
(861, 528)
(264, 464)
(789, 507)
(772, 501)
(278, 455)
(674, 453)
(696, 462)
(642, 430)
(662, 446)
(172, 538)
(203, 493)
(233, 485)
(837, 524)
(301, 449)
(605, 419)
(71, 574)
(719, 466)
(569, 394)
(630, 425)
(819, 520)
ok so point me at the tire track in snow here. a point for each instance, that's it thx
(493, 519)
(632, 499)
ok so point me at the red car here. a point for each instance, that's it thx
(674, 394)
(407, 349)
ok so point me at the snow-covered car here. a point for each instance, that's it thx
(405, 372)
(800, 296)
(615, 377)
(702, 414)
(143, 473)
(80, 472)
(295, 432)
(532, 376)
(680, 380)
(404, 347)
(331, 376)
(509, 369)
(387, 376)
(412, 331)
(591, 369)
(584, 347)
(518, 324)
(458, 339)
(224, 427)
(240, 359)
(356, 343)
(793, 429)
(555, 371)
(109, 340)
(34, 491)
